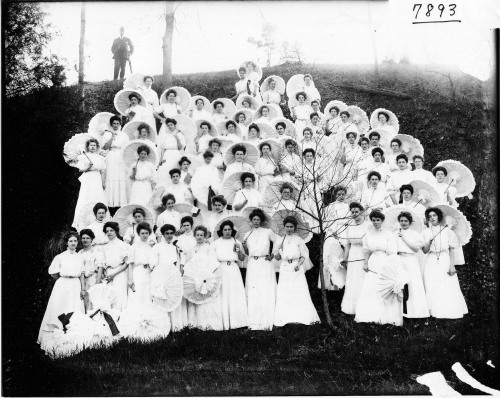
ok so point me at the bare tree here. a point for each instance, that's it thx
(266, 42)
(292, 53)
(169, 16)
(81, 48)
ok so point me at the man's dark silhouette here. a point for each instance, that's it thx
(122, 48)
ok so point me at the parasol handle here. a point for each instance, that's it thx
(446, 190)
(420, 200)
(85, 153)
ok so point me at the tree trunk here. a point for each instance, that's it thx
(326, 308)
(81, 63)
(167, 42)
(374, 43)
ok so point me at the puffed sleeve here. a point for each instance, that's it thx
(55, 266)
(452, 239)
(82, 163)
(159, 108)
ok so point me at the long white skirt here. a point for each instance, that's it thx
(260, 288)
(65, 298)
(371, 306)
(179, 317)
(293, 301)
(416, 306)
(333, 272)
(209, 315)
(141, 192)
(171, 157)
(90, 192)
(116, 178)
(354, 279)
(233, 297)
(120, 285)
(142, 294)
(444, 297)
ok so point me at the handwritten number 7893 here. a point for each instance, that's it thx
(430, 7)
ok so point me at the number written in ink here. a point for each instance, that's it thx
(434, 13)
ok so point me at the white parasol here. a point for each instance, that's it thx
(456, 220)
(122, 103)
(202, 279)
(393, 120)
(130, 155)
(241, 225)
(135, 81)
(385, 139)
(213, 129)
(339, 104)
(206, 103)
(257, 69)
(248, 115)
(293, 101)
(359, 118)
(254, 103)
(229, 106)
(99, 124)
(169, 291)
(225, 143)
(460, 177)
(410, 146)
(221, 126)
(266, 131)
(125, 218)
(132, 130)
(272, 193)
(232, 184)
(185, 209)
(280, 84)
(391, 222)
(251, 157)
(279, 111)
(290, 127)
(102, 296)
(144, 323)
(74, 147)
(183, 98)
(273, 113)
(276, 149)
(86, 215)
(303, 229)
(424, 193)
(269, 222)
(392, 277)
(296, 82)
(186, 126)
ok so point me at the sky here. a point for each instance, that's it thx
(212, 36)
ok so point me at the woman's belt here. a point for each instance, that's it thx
(405, 254)
(227, 262)
(68, 276)
(257, 257)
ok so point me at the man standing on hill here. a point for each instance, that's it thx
(122, 48)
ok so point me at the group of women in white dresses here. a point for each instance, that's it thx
(274, 165)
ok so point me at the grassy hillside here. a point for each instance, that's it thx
(452, 115)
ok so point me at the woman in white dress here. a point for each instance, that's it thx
(242, 124)
(444, 297)
(228, 251)
(379, 166)
(447, 192)
(260, 282)
(243, 85)
(200, 113)
(293, 301)
(143, 176)
(130, 235)
(206, 178)
(315, 105)
(300, 113)
(316, 125)
(219, 211)
(218, 115)
(248, 196)
(286, 202)
(169, 108)
(391, 159)
(152, 101)
(253, 78)
(203, 137)
(409, 244)
(254, 134)
(307, 141)
(186, 240)
(332, 120)
(136, 112)
(231, 131)
(376, 197)
(218, 160)
(344, 126)
(139, 257)
(115, 254)
(171, 145)
(291, 163)
(116, 170)
(266, 168)
(92, 260)
(383, 118)
(239, 165)
(166, 257)
(68, 292)
(405, 199)
(169, 216)
(93, 179)
(186, 172)
(380, 250)
(100, 211)
(399, 177)
(420, 173)
(365, 159)
(354, 258)
(272, 96)
(351, 158)
(310, 89)
(264, 116)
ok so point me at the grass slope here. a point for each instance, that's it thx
(38, 202)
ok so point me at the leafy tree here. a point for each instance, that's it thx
(28, 63)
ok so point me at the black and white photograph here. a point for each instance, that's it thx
(250, 198)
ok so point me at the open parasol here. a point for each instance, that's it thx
(144, 323)
(267, 131)
(186, 126)
(296, 82)
(102, 296)
(410, 146)
(273, 113)
(221, 126)
(168, 291)
(125, 219)
(333, 255)
(293, 101)
(267, 223)
(183, 98)
(100, 124)
(385, 139)
(230, 185)
(272, 193)
(460, 177)
(392, 278)
(280, 84)
(303, 229)
(226, 142)
(248, 115)
(458, 223)
(290, 127)
(241, 225)
(393, 120)
(339, 104)
(359, 118)
(130, 155)
(279, 111)
(391, 222)
(424, 193)
(257, 68)
(185, 209)
(276, 149)
(229, 106)
(122, 103)
(86, 215)
(206, 103)
(131, 129)
(74, 147)
(202, 279)
(254, 103)
(213, 129)
(252, 155)
(135, 81)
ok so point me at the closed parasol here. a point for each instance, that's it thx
(392, 120)
(359, 117)
(130, 155)
(241, 225)
(410, 146)
(424, 193)
(74, 147)
(214, 132)
(280, 84)
(391, 222)
(206, 103)
(460, 177)
(202, 279)
(229, 106)
(254, 103)
(267, 223)
(99, 124)
(183, 97)
(132, 130)
(135, 81)
(339, 104)
(273, 113)
(257, 69)
(251, 157)
(303, 229)
(122, 103)
(456, 220)
(125, 218)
